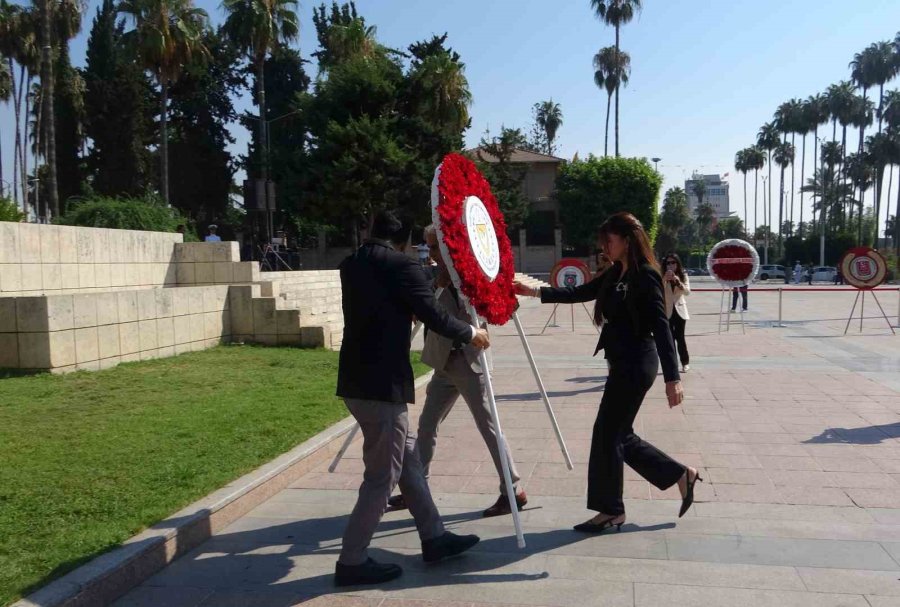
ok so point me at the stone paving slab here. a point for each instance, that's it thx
(796, 430)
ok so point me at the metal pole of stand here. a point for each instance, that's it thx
(852, 310)
(886, 319)
(862, 311)
(552, 317)
(543, 390)
(501, 440)
(573, 317)
(721, 308)
(780, 300)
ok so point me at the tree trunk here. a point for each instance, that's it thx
(48, 110)
(746, 216)
(770, 202)
(263, 140)
(755, 205)
(606, 140)
(781, 215)
(802, 173)
(618, 84)
(897, 231)
(815, 164)
(880, 107)
(887, 204)
(24, 149)
(17, 101)
(793, 187)
(164, 139)
(39, 150)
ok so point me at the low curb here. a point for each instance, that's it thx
(111, 575)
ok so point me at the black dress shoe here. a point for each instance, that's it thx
(446, 545)
(396, 502)
(592, 527)
(368, 573)
(688, 498)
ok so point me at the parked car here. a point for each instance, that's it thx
(770, 271)
(824, 274)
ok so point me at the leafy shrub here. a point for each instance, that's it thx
(9, 211)
(591, 190)
(123, 214)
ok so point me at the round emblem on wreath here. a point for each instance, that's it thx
(733, 263)
(471, 232)
(863, 267)
(569, 272)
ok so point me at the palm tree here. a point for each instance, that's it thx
(612, 67)
(549, 118)
(861, 173)
(881, 149)
(256, 27)
(5, 92)
(784, 156)
(884, 65)
(167, 35)
(756, 160)
(768, 139)
(742, 165)
(816, 111)
(616, 13)
(840, 99)
(448, 96)
(861, 72)
(861, 117)
(891, 115)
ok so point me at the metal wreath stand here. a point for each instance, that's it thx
(729, 285)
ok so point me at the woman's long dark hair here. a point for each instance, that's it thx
(626, 226)
(679, 269)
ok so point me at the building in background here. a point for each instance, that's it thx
(716, 194)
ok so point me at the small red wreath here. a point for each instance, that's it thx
(733, 262)
(455, 180)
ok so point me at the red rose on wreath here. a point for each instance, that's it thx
(455, 180)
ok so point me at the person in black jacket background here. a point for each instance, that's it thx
(636, 338)
(382, 289)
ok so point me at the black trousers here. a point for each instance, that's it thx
(734, 296)
(614, 442)
(678, 325)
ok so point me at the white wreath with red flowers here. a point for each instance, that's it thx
(472, 236)
(733, 262)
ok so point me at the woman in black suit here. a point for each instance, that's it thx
(636, 338)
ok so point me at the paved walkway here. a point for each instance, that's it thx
(796, 430)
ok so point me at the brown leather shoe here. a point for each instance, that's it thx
(396, 502)
(501, 506)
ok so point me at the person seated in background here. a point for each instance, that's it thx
(212, 236)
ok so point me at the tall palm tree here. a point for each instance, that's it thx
(880, 150)
(5, 93)
(549, 118)
(861, 72)
(884, 65)
(167, 36)
(742, 165)
(860, 171)
(816, 111)
(840, 99)
(784, 156)
(861, 117)
(257, 27)
(616, 13)
(891, 116)
(768, 139)
(448, 98)
(756, 160)
(612, 67)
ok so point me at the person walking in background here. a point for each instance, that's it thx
(798, 272)
(734, 297)
(422, 250)
(382, 289)
(678, 287)
(212, 236)
(636, 338)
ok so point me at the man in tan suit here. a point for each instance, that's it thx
(457, 372)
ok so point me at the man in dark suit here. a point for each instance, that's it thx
(382, 290)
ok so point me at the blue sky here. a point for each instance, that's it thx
(705, 75)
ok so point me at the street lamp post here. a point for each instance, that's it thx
(655, 161)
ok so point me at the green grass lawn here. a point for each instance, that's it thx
(89, 459)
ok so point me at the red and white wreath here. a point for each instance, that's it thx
(472, 236)
(733, 263)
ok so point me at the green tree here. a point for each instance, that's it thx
(731, 227)
(612, 67)
(118, 111)
(200, 108)
(167, 37)
(816, 114)
(5, 94)
(768, 139)
(589, 191)
(549, 116)
(706, 222)
(69, 118)
(256, 27)
(343, 35)
(505, 176)
(616, 13)
(881, 150)
(674, 217)
(756, 160)
(860, 171)
(742, 165)
(783, 156)
(9, 211)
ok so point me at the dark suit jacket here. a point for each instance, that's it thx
(382, 290)
(648, 315)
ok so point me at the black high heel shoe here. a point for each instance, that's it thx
(688, 499)
(591, 527)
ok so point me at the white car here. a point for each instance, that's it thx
(770, 271)
(824, 274)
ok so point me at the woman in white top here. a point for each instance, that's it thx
(678, 287)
